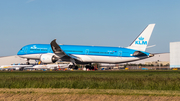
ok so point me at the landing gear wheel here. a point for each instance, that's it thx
(89, 67)
(76, 67)
(73, 67)
(70, 66)
(21, 69)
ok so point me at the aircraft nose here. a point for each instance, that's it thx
(19, 52)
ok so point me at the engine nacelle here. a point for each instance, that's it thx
(48, 58)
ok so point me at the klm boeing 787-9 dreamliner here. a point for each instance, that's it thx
(77, 54)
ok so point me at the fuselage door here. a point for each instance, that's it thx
(119, 53)
(49, 50)
(86, 51)
(25, 50)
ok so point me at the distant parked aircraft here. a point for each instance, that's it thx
(14, 67)
(50, 66)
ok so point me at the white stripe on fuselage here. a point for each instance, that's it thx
(91, 58)
(106, 59)
(31, 56)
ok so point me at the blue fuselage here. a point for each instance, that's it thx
(79, 50)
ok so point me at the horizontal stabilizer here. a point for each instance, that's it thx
(138, 53)
(150, 46)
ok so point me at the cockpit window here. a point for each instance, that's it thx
(21, 49)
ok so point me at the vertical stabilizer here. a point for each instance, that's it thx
(141, 42)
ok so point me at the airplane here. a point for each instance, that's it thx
(14, 67)
(78, 54)
(50, 66)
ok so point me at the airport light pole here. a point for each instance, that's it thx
(159, 64)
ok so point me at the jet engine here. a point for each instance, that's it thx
(48, 58)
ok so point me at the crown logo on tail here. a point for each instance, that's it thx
(141, 38)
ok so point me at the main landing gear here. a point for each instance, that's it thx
(73, 66)
(90, 67)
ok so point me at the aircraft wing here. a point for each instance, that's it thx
(60, 53)
(57, 49)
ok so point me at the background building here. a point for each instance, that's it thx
(8, 60)
(156, 59)
(174, 54)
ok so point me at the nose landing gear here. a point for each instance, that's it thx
(73, 66)
(27, 63)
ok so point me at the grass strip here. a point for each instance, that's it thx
(90, 91)
(136, 80)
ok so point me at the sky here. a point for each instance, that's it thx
(87, 22)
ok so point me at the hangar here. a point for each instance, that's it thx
(158, 58)
(174, 55)
(9, 60)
